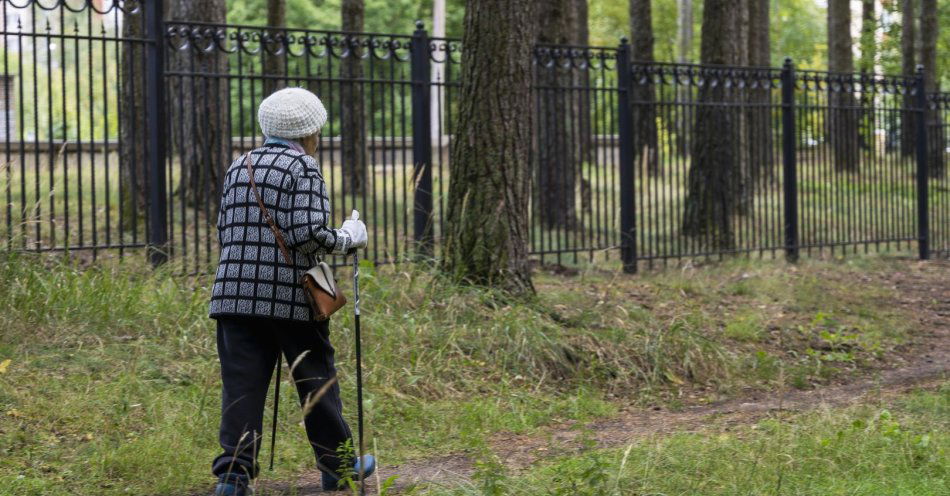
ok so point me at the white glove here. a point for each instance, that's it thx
(355, 228)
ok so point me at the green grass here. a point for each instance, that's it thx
(114, 367)
(897, 447)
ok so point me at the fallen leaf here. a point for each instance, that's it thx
(3, 366)
(674, 378)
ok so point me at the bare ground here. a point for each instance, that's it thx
(924, 363)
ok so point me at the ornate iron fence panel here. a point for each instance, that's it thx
(117, 127)
(707, 147)
(68, 179)
(938, 139)
(857, 188)
(575, 153)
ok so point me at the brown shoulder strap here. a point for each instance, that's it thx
(264, 212)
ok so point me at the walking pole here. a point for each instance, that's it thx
(273, 431)
(359, 361)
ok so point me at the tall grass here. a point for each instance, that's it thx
(112, 385)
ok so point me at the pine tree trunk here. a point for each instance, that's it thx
(711, 196)
(684, 56)
(866, 66)
(199, 109)
(353, 114)
(738, 96)
(587, 149)
(557, 139)
(486, 223)
(868, 42)
(133, 135)
(929, 33)
(759, 114)
(908, 68)
(684, 25)
(275, 62)
(643, 94)
(842, 124)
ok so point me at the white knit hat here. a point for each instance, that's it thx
(291, 113)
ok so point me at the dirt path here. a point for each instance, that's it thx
(925, 364)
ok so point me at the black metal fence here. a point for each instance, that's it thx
(118, 126)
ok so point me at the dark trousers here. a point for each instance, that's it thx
(247, 349)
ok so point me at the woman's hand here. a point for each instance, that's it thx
(355, 228)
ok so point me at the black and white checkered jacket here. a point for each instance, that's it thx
(252, 278)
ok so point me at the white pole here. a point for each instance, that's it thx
(438, 71)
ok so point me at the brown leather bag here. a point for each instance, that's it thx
(318, 283)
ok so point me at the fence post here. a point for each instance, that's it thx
(421, 142)
(923, 202)
(628, 214)
(155, 112)
(789, 162)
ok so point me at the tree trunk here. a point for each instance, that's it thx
(908, 69)
(842, 128)
(929, 32)
(486, 222)
(868, 45)
(738, 96)
(587, 149)
(353, 114)
(199, 108)
(558, 138)
(133, 136)
(643, 94)
(275, 61)
(759, 115)
(711, 196)
(684, 26)
(684, 56)
(868, 42)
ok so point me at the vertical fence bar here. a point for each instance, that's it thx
(421, 142)
(628, 222)
(923, 203)
(155, 110)
(789, 161)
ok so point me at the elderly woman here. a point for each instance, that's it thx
(259, 305)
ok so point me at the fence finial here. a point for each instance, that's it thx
(420, 25)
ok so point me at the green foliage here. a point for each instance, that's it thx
(799, 31)
(889, 50)
(382, 16)
(943, 45)
(65, 88)
(745, 328)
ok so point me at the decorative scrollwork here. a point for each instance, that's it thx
(939, 101)
(853, 83)
(709, 76)
(445, 50)
(77, 6)
(292, 43)
(574, 58)
(198, 38)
